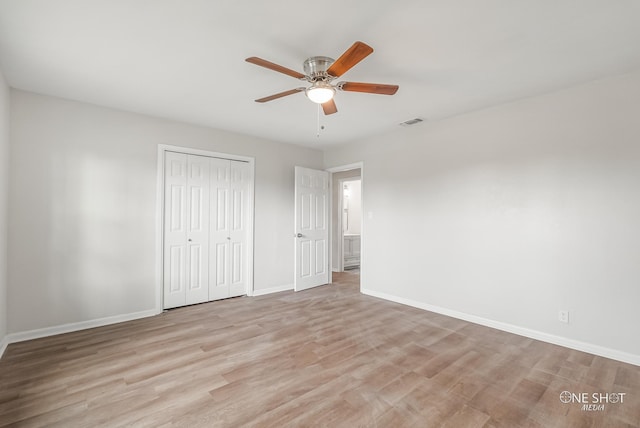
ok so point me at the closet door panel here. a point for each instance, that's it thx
(175, 230)
(219, 260)
(186, 229)
(198, 178)
(238, 234)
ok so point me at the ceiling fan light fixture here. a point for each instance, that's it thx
(320, 92)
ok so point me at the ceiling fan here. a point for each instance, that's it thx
(320, 71)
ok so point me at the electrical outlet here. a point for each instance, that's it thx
(563, 316)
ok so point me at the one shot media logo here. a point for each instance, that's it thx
(594, 401)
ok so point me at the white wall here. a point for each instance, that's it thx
(4, 188)
(82, 208)
(510, 214)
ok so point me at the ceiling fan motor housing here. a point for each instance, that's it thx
(316, 67)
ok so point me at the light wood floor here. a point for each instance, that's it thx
(324, 357)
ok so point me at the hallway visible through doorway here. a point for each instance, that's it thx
(348, 278)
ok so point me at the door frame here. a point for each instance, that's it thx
(332, 170)
(162, 150)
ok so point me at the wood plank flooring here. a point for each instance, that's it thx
(329, 356)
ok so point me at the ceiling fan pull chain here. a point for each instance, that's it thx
(318, 123)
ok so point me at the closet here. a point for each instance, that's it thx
(205, 228)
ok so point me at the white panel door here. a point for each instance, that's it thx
(238, 228)
(175, 230)
(197, 229)
(186, 237)
(229, 233)
(312, 228)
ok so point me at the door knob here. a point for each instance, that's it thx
(189, 239)
(299, 235)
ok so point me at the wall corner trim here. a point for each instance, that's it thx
(3, 345)
(577, 345)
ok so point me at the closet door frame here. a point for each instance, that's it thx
(162, 150)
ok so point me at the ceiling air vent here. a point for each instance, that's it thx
(411, 122)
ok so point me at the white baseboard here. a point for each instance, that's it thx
(590, 348)
(510, 328)
(83, 325)
(71, 327)
(279, 288)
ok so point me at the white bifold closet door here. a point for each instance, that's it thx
(186, 229)
(229, 193)
(205, 231)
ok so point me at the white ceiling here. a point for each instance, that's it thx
(184, 59)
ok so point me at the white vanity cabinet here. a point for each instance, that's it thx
(351, 251)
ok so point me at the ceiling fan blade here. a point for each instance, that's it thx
(279, 95)
(371, 88)
(356, 53)
(329, 107)
(275, 67)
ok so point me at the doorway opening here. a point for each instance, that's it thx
(351, 216)
(347, 223)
